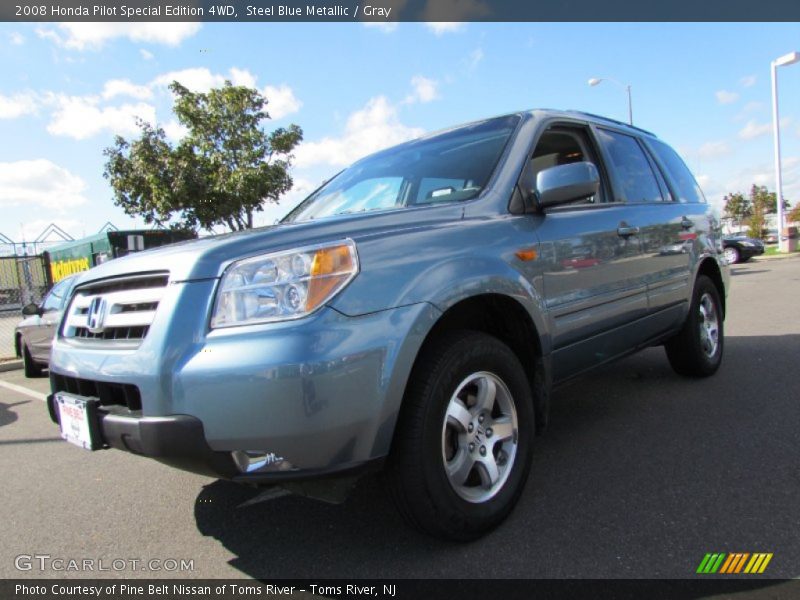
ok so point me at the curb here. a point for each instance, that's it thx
(776, 256)
(11, 365)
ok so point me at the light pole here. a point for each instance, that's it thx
(597, 80)
(783, 61)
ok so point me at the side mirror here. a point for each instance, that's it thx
(31, 309)
(566, 183)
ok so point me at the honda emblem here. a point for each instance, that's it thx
(96, 314)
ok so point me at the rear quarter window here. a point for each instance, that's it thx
(683, 181)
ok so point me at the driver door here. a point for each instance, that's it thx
(592, 293)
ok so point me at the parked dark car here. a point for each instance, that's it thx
(739, 248)
(33, 336)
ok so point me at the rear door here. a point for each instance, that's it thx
(688, 214)
(666, 227)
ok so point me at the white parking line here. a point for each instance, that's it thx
(23, 390)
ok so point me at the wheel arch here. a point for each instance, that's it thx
(710, 268)
(506, 319)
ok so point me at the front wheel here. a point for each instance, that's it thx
(462, 450)
(697, 350)
(31, 367)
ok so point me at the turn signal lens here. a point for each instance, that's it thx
(331, 268)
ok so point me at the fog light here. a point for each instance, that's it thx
(252, 461)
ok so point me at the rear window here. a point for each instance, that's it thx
(682, 178)
(452, 166)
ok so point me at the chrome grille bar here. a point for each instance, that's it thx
(98, 313)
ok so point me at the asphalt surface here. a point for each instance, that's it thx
(640, 473)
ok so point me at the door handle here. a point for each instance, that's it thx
(626, 231)
(687, 223)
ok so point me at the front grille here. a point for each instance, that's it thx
(109, 394)
(112, 333)
(119, 309)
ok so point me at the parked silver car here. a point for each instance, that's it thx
(33, 336)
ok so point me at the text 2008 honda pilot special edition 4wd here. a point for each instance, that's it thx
(412, 314)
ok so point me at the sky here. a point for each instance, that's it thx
(68, 88)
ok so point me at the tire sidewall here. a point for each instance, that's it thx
(501, 362)
(31, 368)
(706, 286)
(27, 361)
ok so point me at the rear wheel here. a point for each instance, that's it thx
(462, 451)
(697, 350)
(32, 368)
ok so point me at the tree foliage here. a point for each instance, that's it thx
(222, 171)
(794, 214)
(752, 209)
(737, 207)
(760, 200)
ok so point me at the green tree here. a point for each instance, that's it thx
(767, 200)
(760, 200)
(222, 172)
(737, 208)
(794, 214)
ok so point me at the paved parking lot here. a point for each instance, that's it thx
(639, 475)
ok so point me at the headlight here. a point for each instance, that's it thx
(283, 285)
(747, 244)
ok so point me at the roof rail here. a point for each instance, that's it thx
(601, 117)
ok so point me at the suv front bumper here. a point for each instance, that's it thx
(178, 440)
(315, 396)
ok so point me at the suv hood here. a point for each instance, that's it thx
(207, 258)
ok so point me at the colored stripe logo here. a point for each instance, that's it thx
(734, 563)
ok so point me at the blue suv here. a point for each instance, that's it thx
(411, 315)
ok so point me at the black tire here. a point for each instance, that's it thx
(416, 470)
(32, 368)
(692, 352)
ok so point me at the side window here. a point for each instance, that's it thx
(631, 167)
(55, 298)
(682, 178)
(563, 147)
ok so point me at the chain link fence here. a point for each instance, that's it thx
(23, 279)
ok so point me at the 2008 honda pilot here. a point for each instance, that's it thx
(412, 314)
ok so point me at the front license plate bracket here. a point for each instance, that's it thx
(79, 420)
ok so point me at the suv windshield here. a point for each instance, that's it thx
(448, 167)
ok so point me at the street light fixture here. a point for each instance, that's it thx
(783, 61)
(597, 80)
